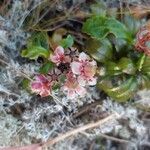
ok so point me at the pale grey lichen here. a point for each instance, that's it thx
(47, 118)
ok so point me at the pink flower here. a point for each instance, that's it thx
(72, 87)
(85, 68)
(143, 40)
(59, 56)
(41, 86)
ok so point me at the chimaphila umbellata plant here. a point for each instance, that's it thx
(123, 53)
(65, 68)
(119, 63)
(77, 68)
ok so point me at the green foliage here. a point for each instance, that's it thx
(68, 42)
(127, 66)
(145, 66)
(36, 46)
(144, 70)
(111, 43)
(131, 76)
(121, 92)
(112, 69)
(132, 24)
(46, 67)
(56, 87)
(99, 9)
(26, 84)
(34, 52)
(101, 50)
(99, 27)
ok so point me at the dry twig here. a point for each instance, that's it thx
(17, 70)
(80, 129)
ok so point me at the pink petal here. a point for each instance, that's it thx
(76, 67)
(89, 70)
(44, 93)
(81, 81)
(36, 86)
(65, 88)
(71, 94)
(59, 50)
(40, 78)
(81, 91)
(92, 81)
(83, 57)
(54, 59)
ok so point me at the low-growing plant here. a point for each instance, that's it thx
(64, 68)
(122, 52)
(120, 63)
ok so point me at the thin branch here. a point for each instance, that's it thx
(114, 138)
(85, 109)
(17, 70)
(80, 129)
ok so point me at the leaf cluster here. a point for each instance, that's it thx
(122, 70)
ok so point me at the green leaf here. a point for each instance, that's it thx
(121, 93)
(144, 71)
(56, 86)
(68, 42)
(117, 28)
(132, 24)
(46, 67)
(144, 82)
(120, 45)
(127, 66)
(95, 27)
(99, 50)
(99, 9)
(34, 52)
(145, 67)
(38, 39)
(112, 69)
(37, 46)
(62, 78)
(25, 84)
(99, 27)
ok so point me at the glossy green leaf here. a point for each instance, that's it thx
(132, 24)
(34, 52)
(99, 50)
(120, 45)
(95, 27)
(68, 42)
(145, 68)
(127, 66)
(46, 67)
(99, 27)
(144, 72)
(144, 82)
(112, 69)
(121, 93)
(117, 28)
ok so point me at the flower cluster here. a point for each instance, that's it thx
(78, 69)
(143, 41)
